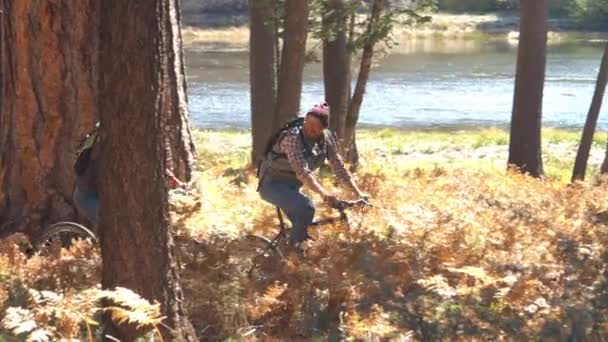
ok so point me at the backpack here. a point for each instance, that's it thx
(84, 152)
(297, 122)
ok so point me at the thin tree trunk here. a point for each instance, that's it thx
(580, 165)
(262, 63)
(180, 146)
(336, 67)
(350, 144)
(47, 104)
(292, 61)
(525, 139)
(276, 20)
(604, 167)
(136, 78)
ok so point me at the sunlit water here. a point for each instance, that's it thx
(422, 84)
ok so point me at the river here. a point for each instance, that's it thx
(420, 84)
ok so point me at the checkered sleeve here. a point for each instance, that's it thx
(292, 147)
(336, 163)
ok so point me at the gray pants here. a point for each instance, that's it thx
(286, 195)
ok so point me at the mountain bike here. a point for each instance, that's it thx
(67, 232)
(268, 253)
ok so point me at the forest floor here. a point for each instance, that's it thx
(455, 247)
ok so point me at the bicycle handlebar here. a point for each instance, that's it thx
(342, 205)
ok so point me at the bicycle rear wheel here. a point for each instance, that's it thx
(64, 233)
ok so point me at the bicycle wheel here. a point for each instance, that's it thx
(265, 259)
(64, 233)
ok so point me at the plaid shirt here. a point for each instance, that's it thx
(292, 145)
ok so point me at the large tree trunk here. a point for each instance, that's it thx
(292, 62)
(350, 143)
(180, 146)
(336, 66)
(580, 165)
(525, 140)
(262, 74)
(135, 80)
(47, 104)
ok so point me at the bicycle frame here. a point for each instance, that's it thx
(273, 244)
(341, 206)
(318, 223)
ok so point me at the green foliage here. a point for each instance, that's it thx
(361, 33)
(590, 13)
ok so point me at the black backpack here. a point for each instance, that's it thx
(297, 122)
(84, 152)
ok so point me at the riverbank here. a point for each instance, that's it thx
(477, 149)
(233, 30)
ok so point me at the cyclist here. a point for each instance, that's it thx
(295, 153)
(86, 196)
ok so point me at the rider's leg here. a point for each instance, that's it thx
(299, 208)
(87, 204)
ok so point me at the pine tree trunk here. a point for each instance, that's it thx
(350, 143)
(180, 146)
(48, 64)
(336, 67)
(580, 165)
(262, 64)
(525, 139)
(292, 62)
(136, 79)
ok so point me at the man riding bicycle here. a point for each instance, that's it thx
(290, 160)
(86, 195)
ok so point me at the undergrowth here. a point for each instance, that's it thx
(449, 250)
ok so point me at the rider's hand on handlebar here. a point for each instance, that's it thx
(363, 196)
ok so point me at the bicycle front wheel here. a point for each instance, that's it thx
(64, 233)
(265, 259)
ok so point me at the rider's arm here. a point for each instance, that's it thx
(337, 166)
(292, 147)
(311, 182)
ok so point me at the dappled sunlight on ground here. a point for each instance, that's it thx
(449, 249)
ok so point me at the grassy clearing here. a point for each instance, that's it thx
(455, 247)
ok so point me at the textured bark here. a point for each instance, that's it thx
(336, 67)
(525, 141)
(350, 143)
(47, 104)
(292, 62)
(604, 167)
(135, 82)
(180, 146)
(277, 37)
(582, 156)
(262, 66)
